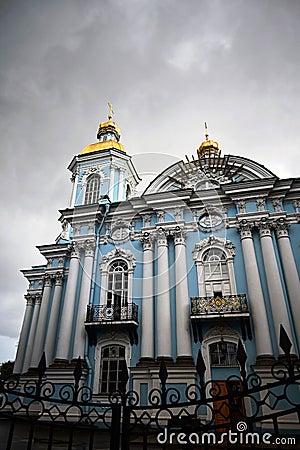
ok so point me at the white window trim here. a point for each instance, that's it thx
(213, 336)
(88, 173)
(109, 339)
(221, 244)
(121, 254)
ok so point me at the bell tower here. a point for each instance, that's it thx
(103, 168)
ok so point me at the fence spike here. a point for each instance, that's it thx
(77, 371)
(124, 376)
(163, 372)
(200, 365)
(284, 341)
(42, 366)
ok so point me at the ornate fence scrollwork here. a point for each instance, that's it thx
(196, 409)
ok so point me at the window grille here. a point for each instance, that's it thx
(223, 353)
(112, 366)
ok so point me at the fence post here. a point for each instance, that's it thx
(115, 427)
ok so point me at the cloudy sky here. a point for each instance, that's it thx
(167, 66)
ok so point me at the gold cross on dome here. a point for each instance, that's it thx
(111, 111)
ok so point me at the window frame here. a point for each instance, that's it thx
(113, 339)
(91, 196)
(222, 246)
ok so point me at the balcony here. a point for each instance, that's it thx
(115, 317)
(220, 310)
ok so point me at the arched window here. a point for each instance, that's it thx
(223, 353)
(112, 366)
(92, 189)
(117, 292)
(216, 275)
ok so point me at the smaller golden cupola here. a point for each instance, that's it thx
(108, 135)
(208, 147)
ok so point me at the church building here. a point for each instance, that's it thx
(208, 254)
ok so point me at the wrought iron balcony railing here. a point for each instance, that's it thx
(225, 305)
(105, 314)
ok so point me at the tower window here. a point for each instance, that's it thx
(117, 293)
(92, 190)
(112, 366)
(223, 353)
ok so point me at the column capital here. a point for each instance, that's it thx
(161, 236)
(47, 280)
(264, 227)
(147, 241)
(179, 235)
(38, 299)
(88, 246)
(59, 278)
(29, 299)
(75, 250)
(281, 227)
(245, 228)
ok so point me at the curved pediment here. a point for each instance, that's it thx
(208, 173)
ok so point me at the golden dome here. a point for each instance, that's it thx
(102, 146)
(109, 126)
(108, 135)
(208, 146)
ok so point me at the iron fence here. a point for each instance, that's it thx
(50, 414)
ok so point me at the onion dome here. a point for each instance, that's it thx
(208, 147)
(108, 135)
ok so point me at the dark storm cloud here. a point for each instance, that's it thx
(167, 66)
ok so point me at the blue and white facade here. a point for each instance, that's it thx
(207, 255)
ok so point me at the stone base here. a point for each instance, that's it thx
(264, 360)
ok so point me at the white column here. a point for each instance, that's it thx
(111, 182)
(53, 319)
(256, 297)
(80, 333)
(66, 324)
(277, 300)
(231, 276)
(147, 342)
(290, 271)
(40, 334)
(121, 191)
(201, 278)
(183, 335)
(29, 348)
(164, 339)
(103, 285)
(74, 180)
(24, 334)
